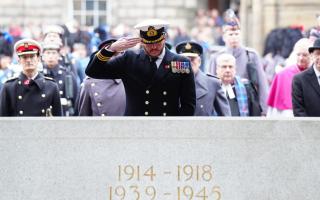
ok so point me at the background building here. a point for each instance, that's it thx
(258, 17)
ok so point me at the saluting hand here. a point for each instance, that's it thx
(124, 44)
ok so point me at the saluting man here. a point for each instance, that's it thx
(30, 94)
(157, 82)
(211, 99)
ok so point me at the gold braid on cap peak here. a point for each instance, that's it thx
(153, 41)
(102, 57)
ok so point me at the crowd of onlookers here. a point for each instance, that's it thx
(76, 43)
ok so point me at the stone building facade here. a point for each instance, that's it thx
(258, 17)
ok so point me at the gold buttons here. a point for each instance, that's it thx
(164, 93)
(96, 94)
(59, 72)
(60, 82)
(164, 114)
(164, 103)
(99, 104)
(20, 97)
(43, 111)
(146, 113)
(103, 115)
(147, 91)
(61, 92)
(93, 84)
(146, 102)
(43, 95)
(21, 112)
(19, 82)
(201, 106)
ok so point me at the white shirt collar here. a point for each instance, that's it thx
(317, 73)
(160, 57)
(228, 91)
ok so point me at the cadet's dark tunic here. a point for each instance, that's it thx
(20, 98)
(168, 92)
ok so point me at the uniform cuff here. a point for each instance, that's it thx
(104, 54)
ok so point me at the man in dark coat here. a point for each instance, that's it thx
(241, 94)
(211, 100)
(30, 94)
(157, 82)
(306, 87)
(248, 62)
(66, 80)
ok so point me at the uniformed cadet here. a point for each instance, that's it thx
(247, 60)
(211, 100)
(102, 97)
(157, 82)
(30, 94)
(54, 34)
(65, 79)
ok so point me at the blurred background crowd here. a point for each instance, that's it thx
(76, 41)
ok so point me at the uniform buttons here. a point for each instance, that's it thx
(147, 91)
(19, 82)
(146, 102)
(201, 106)
(146, 113)
(42, 110)
(43, 95)
(93, 84)
(21, 112)
(164, 92)
(60, 82)
(99, 104)
(19, 97)
(96, 94)
(59, 72)
(103, 115)
(61, 92)
(164, 114)
(164, 103)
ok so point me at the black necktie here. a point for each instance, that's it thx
(153, 64)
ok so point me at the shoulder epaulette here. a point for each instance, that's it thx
(211, 75)
(12, 79)
(49, 78)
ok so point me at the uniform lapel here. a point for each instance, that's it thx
(39, 80)
(164, 67)
(201, 84)
(313, 80)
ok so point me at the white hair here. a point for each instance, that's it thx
(226, 57)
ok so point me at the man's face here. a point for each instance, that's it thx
(303, 57)
(29, 62)
(154, 50)
(52, 37)
(232, 38)
(316, 58)
(195, 63)
(226, 71)
(50, 57)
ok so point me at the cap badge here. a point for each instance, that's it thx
(188, 46)
(26, 45)
(152, 31)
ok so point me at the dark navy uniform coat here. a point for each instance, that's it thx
(59, 74)
(33, 99)
(102, 97)
(168, 92)
(210, 96)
